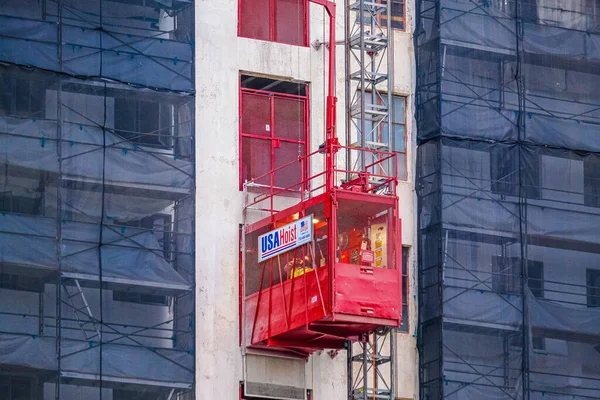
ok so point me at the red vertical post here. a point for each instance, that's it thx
(331, 144)
(273, 143)
(306, 160)
(331, 100)
(241, 288)
(332, 243)
(272, 6)
(330, 117)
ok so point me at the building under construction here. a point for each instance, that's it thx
(96, 200)
(509, 195)
(135, 198)
(206, 200)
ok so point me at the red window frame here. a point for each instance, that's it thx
(275, 140)
(272, 22)
(396, 19)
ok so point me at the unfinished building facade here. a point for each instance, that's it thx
(509, 184)
(97, 196)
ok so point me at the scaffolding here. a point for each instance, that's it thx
(508, 186)
(369, 71)
(97, 199)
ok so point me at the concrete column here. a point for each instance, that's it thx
(218, 209)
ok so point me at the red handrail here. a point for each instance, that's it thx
(303, 187)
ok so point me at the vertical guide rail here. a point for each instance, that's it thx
(368, 58)
(368, 80)
(371, 366)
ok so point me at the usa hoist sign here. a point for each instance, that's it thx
(286, 238)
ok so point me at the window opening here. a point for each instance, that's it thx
(506, 280)
(15, 388)
(404, 326)
(144, 122)
(504, 170)
(22, 97)
(535, 278)
(396, 142)
(143, 394)
(283, 21)
(159, 224)
(506, 276)
(273, 85)
(562, 179)
(21, 283)
(535, 282)
(591, 177)
(19, 204)
(593, 287)
(398, 15)
(140, 298)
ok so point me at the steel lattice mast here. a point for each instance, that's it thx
(368, 56)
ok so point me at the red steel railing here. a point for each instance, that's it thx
(309, 186)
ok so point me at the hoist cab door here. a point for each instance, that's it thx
(367, 271)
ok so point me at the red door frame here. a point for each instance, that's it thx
(273, 138)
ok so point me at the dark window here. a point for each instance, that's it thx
(15, 388)
(543, 12)
(144, 122)
(160, 224)
(272, 132)
(22, 283)
(405, 266)
(506, 279)
(535, 278)
(19, 204)
(530, 9)
(21, 97)
(142, 394)
(309, 394)
(140, 298)
(535, 282)
(506, 276)
(591, 181)
(398, 12)
(504, 170)
(593, 287)
(283, 21)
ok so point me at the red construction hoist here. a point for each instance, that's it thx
(321, 259)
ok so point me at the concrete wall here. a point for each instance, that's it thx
(220, 58)
(403, 83)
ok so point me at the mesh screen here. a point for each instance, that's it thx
(507, 116)
(290, 21)
(255, 19)
(96, 199)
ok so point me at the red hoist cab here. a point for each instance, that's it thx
(325, 267)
